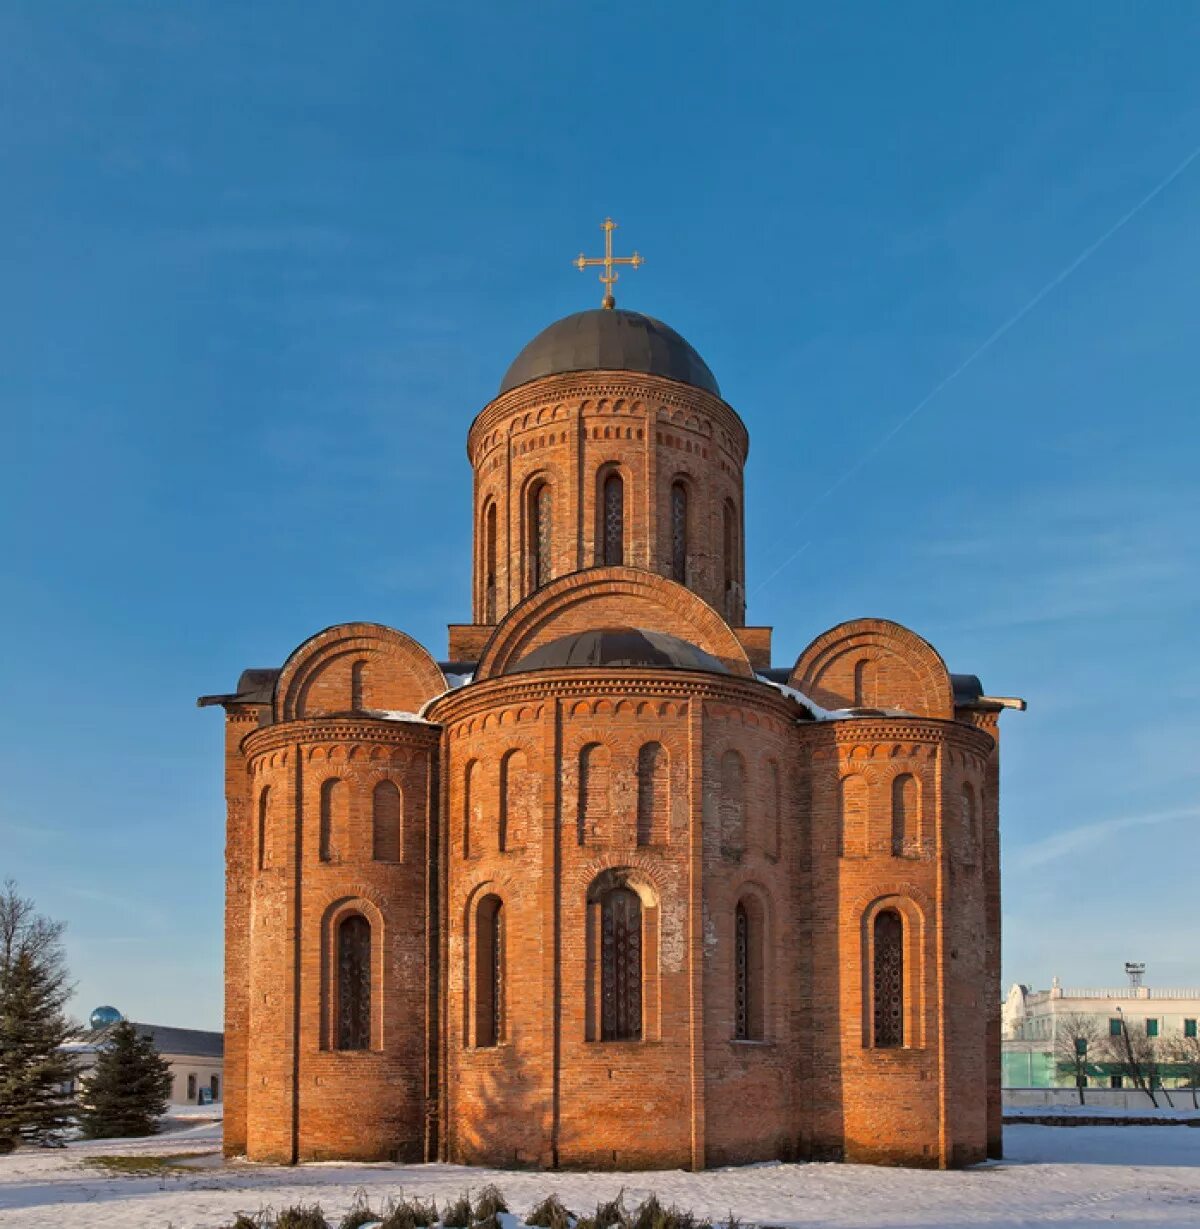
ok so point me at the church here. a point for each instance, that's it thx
(607, 887)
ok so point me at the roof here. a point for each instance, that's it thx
(614, 647)
(610, 340)
(253, 687)
(193, 1042)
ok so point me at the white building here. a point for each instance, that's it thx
(1029, 1026)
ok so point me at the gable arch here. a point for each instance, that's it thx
(610, 596)
(362, 667)
(874, 663)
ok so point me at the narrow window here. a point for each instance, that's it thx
(357, 673)
(1081, 1046)
(854, 812)
(214, 1086)
(748, 971)
(968, 823)
(354, 983)
(889, 979)
(865, 690)
(772, 809)
(264, 855)
(654, 795)
(593, 792)
(514, 801)
(489, 972)
(191, 1088)
(539, 535)
(1114, 1026)
(904, 815)
(334, 817)
(741, 960)
(729, 548)
(470, 835)
(732, 805)
(1151, 1028)
(489, 564)
(1189, 1028)
(621, 966)
(387, 813)
(613, 554)
(679, 534)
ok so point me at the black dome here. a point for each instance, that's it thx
(610, 340)
(619, 646)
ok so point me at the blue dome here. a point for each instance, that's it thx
(102, 1017)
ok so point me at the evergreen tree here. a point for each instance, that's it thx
(128, 1090)
(35, 1071)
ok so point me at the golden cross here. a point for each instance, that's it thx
(608, 277)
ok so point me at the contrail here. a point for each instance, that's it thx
(982, 349)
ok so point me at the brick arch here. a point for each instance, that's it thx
(319, 677)
(901, 669)
(613, 596)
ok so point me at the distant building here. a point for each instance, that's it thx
(1030, 1019)
(196, 1056)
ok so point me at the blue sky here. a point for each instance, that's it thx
(261, 265)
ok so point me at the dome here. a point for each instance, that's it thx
(610, 340)
(614, 647)
(102, 1017)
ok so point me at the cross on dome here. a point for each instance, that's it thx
(608, 277)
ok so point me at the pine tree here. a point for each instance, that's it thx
(36, 1073)
(127, 1091)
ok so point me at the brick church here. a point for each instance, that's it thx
(607, 887)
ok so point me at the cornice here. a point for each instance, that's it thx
(574, 387)
(857, 730)
(334, 729)
(547, 685)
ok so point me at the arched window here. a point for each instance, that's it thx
(904, 815)
(772, 808)
(594, 762)
(613, 528)
(969, 823)
(540, 512)
(621, 966)
(748, 972)
(489, 972)
(654, 795)
(264, 832)
(729, 540)
(489, 563)
(855, 797)
(354, 983)
(888, 979)
(471, 836)
(387, 818)
(679, 532)
(515, 796)
(357, 677)
(864, 684)
(732, 805)
(334, 820)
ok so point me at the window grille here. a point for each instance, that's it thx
(614, 521)
(541, 517)
(621, 966)
(741, 974)
(889, 980)
(679, 543)
(354, 984)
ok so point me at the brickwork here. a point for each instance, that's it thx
(592, 916)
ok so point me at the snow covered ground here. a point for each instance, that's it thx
(1079, 1176)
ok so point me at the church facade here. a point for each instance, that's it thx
(606, 887)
